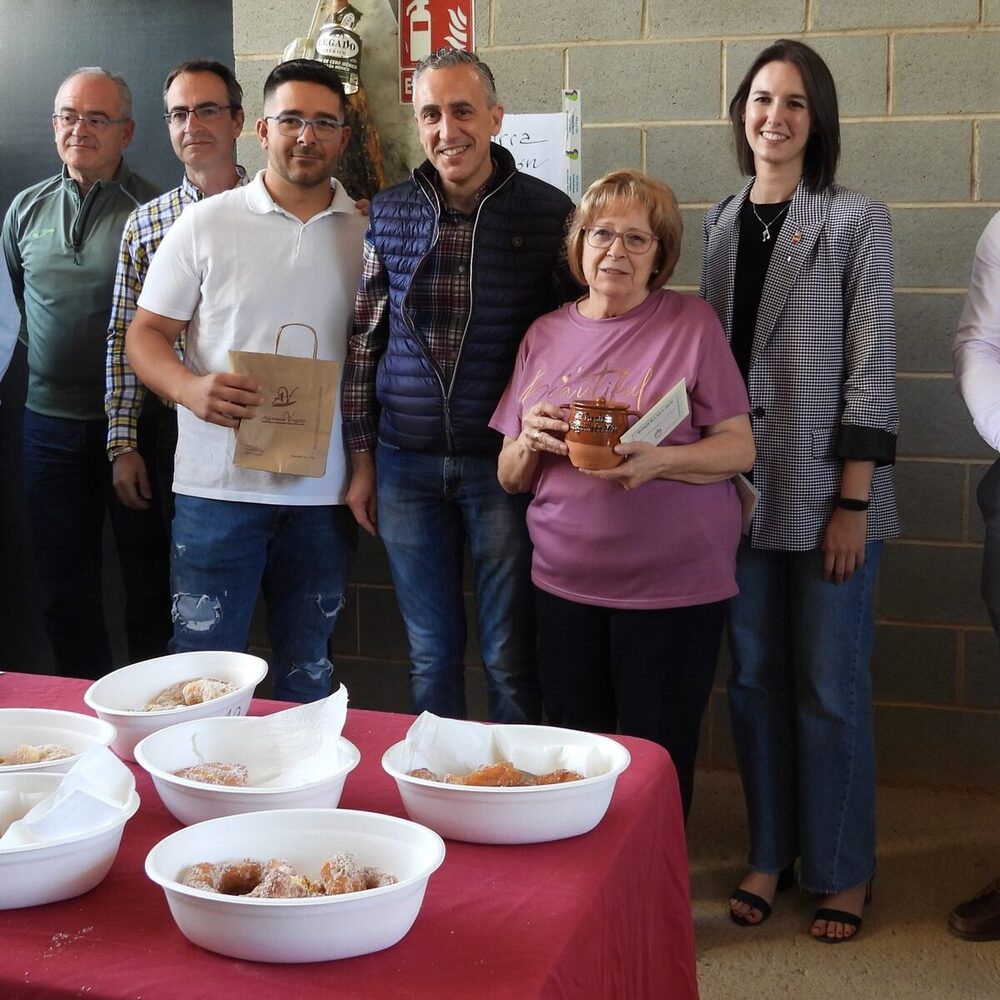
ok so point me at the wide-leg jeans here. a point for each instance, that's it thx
(225, 551)
(800, 705)
(428, 505)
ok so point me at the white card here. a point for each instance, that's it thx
(658, 421)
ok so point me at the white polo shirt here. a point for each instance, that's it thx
(236, 267)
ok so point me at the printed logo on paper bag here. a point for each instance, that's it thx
(426, 26)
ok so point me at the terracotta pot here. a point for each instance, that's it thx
(595, 427)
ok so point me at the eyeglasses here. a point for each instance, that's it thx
(634, 240)
(293, 126)
(204, 113)
(68, 120)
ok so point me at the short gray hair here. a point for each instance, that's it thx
(118, 81)
(446, 58)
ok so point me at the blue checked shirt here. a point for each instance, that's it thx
(144, 231)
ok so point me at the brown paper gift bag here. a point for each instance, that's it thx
(291, 431)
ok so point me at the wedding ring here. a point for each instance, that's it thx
(537, 434)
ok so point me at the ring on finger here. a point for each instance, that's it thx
(537, 435)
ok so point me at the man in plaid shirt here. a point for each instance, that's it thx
(459, 260)
(203, 108)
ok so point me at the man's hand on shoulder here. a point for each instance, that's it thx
(131, 481)
(223, 398)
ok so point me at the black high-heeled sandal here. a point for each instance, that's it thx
(842, 917)
(785, 880)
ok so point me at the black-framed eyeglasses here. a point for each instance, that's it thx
(204, 113)
(634, 240)
(292, 126)
(69, 120)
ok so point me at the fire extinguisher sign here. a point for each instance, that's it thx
(426, 26)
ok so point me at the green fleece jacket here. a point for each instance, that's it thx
(62, 251)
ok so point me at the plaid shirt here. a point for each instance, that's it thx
(144, 231)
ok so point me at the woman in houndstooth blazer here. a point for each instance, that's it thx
(800, 273)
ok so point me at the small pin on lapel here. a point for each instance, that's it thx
(796, 237)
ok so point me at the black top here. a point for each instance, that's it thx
(752, 258)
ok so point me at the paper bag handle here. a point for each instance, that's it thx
(306, 326)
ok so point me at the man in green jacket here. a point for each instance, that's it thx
(60, 241)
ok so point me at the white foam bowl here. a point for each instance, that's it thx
(223, 739)
(514, 815)
(57, 869)
(314, 929)
(35, 726)
(119, 696)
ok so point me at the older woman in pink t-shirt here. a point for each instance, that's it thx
(632, 565)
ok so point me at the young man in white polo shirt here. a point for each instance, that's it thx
(286, 249)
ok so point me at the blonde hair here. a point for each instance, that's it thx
(629, 188)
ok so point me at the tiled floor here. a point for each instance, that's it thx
(936, 847)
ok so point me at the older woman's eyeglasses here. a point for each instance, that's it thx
(634, 240)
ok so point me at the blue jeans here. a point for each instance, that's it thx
(428, 505)
(224, 551)
(68, 491)
(800, 706)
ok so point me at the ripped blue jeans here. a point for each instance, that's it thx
(224, 551)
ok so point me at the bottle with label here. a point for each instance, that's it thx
(339, 45)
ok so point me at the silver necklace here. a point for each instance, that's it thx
(767, 225)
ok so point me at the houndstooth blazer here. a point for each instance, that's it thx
(823, 359)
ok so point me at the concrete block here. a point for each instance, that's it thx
(269, 25)
(371, 564)
(249, 154)
(945, 73)
(925, 325)
(381, 632)
(933, 421)
(532, 22)
(991, 11)
(933, 584)
(688, 269)
(935, 246)
(989, 160)
(697, 161)
(937, 745)
(931, 496)
(647, 82)
(892, 13)
(858, 64)
(252, 73)
(914, 665)
(692, 18)
(375, 684)
(529, 81)
(981, 674)
(878, 158)
(606, 149)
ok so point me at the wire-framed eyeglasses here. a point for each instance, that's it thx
(69, 120)
(204, 113)
(634, 240)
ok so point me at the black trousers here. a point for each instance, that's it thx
(639, 673)
(988, 497)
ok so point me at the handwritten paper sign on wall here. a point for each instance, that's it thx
(547, 146)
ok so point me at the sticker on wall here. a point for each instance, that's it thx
(426, 26)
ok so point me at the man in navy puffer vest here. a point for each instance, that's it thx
(459, 260)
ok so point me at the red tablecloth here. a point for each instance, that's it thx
(605, 915)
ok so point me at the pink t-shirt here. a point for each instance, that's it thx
(667, 544)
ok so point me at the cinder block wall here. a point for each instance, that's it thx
(920, 103)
